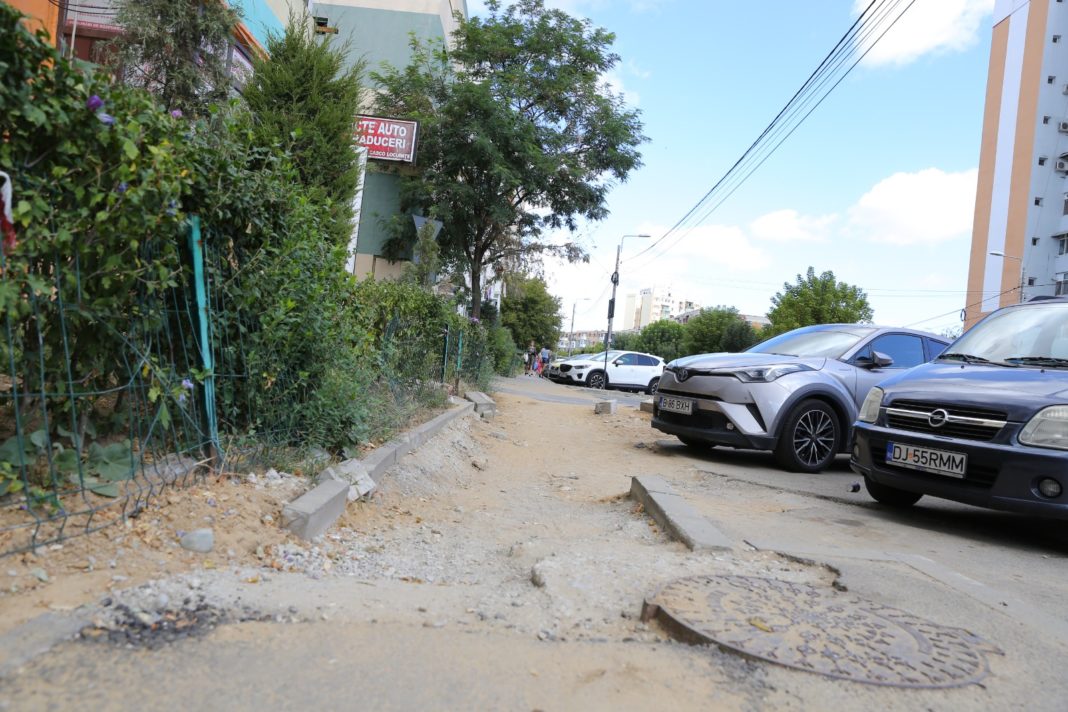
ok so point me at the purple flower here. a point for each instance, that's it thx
(107, 119)
(122, 187)
(187, 384)
(94, 103)
(182, 398)
(474, 320)
(176, 113)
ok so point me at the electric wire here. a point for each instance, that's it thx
(859, 35)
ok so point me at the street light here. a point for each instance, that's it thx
(1023, 281)
(571, 337)
(612, 303)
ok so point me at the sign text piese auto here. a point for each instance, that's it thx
(387, 139)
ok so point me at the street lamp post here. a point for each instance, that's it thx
(612, 303)
(1023, 279)
(571, 336)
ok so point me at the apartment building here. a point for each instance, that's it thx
(1020, 234)
(653, 304)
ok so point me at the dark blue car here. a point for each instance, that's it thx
(986, 423)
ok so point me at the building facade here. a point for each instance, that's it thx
(1020, 234)
(653, 304)
(84, 27)
(379, 31)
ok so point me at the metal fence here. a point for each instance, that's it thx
(101, 411)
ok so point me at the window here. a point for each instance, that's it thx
(1045, 119)
(1034, 241)
(647, 361)
(1038, 201)
(1030, 281)
(1041, 160)
(1062, 244)
(1056, 38)
(1062, 287)
(1050, 79)
(935, 348)
(906, 350)
(627, 360)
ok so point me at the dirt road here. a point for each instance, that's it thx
(503, 567)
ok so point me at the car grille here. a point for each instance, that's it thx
(977, 475)
(964, 423)
(565, 368)
(700, 419)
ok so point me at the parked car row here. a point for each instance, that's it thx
(983, 420)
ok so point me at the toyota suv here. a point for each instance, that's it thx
(986, 423)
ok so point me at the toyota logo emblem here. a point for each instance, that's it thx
(682, 374)
(937, 418)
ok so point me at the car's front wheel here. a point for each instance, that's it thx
(809, 439)
(653, 385)
(596, 380)
(890, 496)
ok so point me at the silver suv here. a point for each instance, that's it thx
(796, 394)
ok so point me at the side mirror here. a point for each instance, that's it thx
(875, 360)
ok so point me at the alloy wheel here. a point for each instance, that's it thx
(814, 437)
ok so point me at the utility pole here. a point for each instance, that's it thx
(571, 336)
(612, 304)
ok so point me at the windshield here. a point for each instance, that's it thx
(1032, 335)
(599, 356)
(828, 343)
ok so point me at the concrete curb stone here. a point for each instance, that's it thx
(314, 512)
(675, 515)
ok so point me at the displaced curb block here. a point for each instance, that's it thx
(313, 512)
(484, 405)
(675, 515)
(605, 407)
(646, 406)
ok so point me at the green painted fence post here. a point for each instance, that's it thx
(196, 248)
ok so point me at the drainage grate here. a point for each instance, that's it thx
(819, 630)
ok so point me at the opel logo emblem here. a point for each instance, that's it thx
(682, 374)
(937, 418)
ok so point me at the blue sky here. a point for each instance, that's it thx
(877, 185)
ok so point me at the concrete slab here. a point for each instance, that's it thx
(484, 405)
(646, 406)
(315, 511)
(675, 515)
(605, 407)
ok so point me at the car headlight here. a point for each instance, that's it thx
(869, 409)
(1049, 428)
(767, 374)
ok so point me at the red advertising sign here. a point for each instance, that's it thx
(387, 139)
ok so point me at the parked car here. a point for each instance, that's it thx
(554, 367)
(626, 369)
(795, 394)
(985, 424)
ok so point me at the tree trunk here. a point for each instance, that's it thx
(476, 289)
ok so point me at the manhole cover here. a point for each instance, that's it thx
(819, 630)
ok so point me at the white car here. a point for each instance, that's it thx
(620, 369)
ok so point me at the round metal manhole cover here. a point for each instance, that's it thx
(819, 630)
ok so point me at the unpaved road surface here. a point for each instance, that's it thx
(504, 567)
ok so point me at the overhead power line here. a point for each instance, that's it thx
(851, 48)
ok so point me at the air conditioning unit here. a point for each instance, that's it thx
(1062, 166)
(1062, 126)
(1064, 89)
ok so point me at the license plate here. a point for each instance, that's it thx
(676, 405)
(939, 462)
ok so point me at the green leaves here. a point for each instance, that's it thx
(818, 300)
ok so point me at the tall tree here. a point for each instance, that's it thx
(531, 313)
(663, 338)
(519, 134)
(176, 49)
(718, 329)
(305, 97)
(817, 300)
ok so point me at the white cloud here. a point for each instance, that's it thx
(614, 82)
(791, 226)
(928, 26)
(929, 206)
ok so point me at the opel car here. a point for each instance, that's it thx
(985, 424)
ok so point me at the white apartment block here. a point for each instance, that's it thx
(653, 304)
